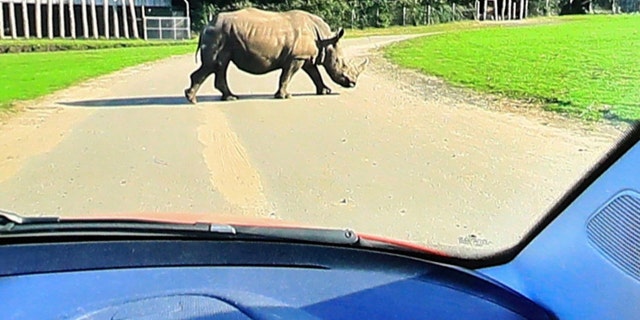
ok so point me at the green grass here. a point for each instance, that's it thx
(443, 27)
(41, 45)
(587, 67)
(27, 76)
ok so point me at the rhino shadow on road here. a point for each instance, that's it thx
(168, 100)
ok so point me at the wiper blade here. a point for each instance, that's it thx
(8, 218)
(13, 226)
(328, 236)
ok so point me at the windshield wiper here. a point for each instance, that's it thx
(7, 218)
(328, 236)
(14, 226)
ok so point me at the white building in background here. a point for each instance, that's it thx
(144, 19)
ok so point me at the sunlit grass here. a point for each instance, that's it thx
(27, 76)
(451, 26)
(587, 67)
(40, 45)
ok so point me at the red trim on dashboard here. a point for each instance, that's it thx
(192, 218)
(401, 243)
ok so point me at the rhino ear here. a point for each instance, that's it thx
(337, 37)
(331, 41)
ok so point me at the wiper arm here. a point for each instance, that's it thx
(328, 236)
(14, 225)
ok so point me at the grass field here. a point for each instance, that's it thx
(31, 75)
(587, 67)
(43, 45)
(451, 26)
(398, 30)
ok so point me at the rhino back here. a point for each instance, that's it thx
(274, 35)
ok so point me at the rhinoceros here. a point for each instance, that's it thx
(259, 41)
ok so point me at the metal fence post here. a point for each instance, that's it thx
(1, 20)
(175, 31)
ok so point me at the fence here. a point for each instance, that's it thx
(409, 15)
(167, 28)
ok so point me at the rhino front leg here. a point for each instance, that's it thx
(285, 77)
(314, 74)
(221, 81)
(197, 78)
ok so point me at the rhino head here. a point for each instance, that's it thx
(342, 72)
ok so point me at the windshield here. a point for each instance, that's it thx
(455, 125)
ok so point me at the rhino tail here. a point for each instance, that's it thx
(198, 48)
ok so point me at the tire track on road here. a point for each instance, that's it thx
(230, 169)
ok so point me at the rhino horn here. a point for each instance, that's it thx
(363, 65)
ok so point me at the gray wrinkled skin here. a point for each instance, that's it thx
(259, 42)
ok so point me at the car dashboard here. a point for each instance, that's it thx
(178, 279)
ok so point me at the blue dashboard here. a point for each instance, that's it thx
(163, 279)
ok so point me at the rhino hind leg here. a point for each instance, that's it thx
(287, 72)
(314, 74)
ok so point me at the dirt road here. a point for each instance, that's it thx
(395, 156)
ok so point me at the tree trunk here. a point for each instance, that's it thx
(503, 9)
(484, 14)
(94, 19)
(125, 23)
(521, 9)
(134, 20)
(61, 18)
(477, 15)
(526, 8)
(508, 8)
(211, 18)
(50, 19)
(38, 19)
(547, 8)
(1, 20)
(453, 11)
(72, 19)
(85, 23)
(105, 16)
(613, 7)
(116, 23)
(495, 10)
(353, 18)
(25, 19)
